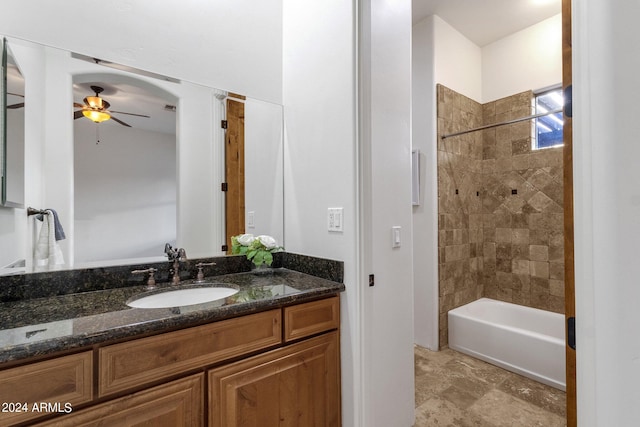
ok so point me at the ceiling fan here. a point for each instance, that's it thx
(96, 109)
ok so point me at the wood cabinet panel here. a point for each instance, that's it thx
(65, 380)
(178, 403)
(130, 364)
(311, 318)
(298, 385)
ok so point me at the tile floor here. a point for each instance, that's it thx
(453, 389)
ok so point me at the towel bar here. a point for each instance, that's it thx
(32, 211)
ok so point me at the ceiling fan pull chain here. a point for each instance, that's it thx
(97, 133)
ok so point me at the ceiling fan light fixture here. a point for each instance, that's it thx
(94, 102)
(96, 116)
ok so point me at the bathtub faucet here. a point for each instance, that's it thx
(175, 255)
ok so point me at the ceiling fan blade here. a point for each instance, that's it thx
(77, 114)
(77, 105)
(130, 114)
(15, 106)
(120, 121)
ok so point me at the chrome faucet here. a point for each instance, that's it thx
(175, 255)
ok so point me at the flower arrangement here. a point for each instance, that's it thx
(257, 249)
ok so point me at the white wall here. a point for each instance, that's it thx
(324, 167)
(458, 61)
(264, 195)
(440, 54)
(125, 190)
(12, 230)
(15, 151)
(11, 220)
(606, 60)
(385, 162)
(235, 45)
(530, 59)
(425, 216)
(320, 128)
(198, 164)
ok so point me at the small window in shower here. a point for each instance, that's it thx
(548, 128)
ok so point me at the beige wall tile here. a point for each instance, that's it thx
(538, 253)
(491, 242)
(539, 269)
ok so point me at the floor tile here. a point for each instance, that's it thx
(503, 410)
(541, 395)
(453, 389)
(441, 412)
(473, 368)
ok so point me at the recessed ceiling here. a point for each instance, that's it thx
(485, 21)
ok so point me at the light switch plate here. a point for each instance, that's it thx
(396, 240)
(251, 219)
(335, 219)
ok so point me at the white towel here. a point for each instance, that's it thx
(48, 251)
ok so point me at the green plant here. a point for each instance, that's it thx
(258, 250)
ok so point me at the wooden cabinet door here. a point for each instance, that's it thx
(297, 385)
(175, 404)
(65, 381)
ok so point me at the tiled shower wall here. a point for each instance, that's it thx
(501, 235)
(460, 233)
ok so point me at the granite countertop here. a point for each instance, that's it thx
(40, 326)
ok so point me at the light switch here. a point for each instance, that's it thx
(335, 219)
(395, 236)
(251, 223)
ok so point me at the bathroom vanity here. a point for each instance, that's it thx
(268, 355)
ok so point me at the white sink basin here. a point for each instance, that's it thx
(182, 297)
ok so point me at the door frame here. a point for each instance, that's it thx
(569, 271)
(234, 185)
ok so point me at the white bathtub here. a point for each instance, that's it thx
(521, 339)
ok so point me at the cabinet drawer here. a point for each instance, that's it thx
(311, 318)
(61, 381)
(133, 363)
(175, 404)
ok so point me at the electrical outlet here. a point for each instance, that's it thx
(335, 219)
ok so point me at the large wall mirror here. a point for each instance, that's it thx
(148, 174)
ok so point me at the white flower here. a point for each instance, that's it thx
(268, 241)
(246, 239)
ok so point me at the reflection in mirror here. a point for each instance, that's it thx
(122, 192)
(125, 181)
(13, 142)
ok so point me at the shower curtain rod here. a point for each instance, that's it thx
(508, 122)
